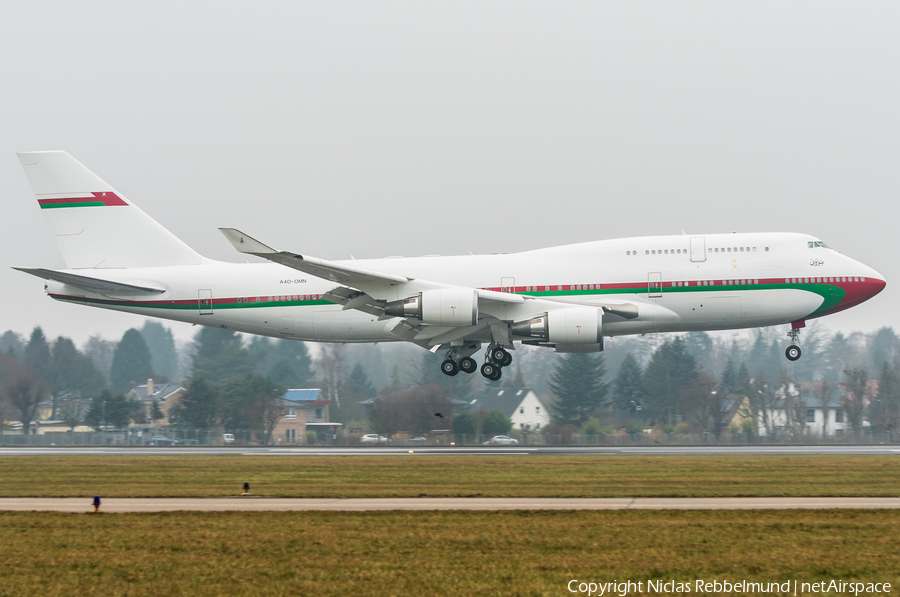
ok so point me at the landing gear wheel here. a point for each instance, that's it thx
(792, 353)
(468, 365)
(450, 368)
(500, 355)
(507, 361)
(490, 371)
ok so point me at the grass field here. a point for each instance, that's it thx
(452, 476)
(434, 553)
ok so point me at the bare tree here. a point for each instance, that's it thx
(71, 412)
(22, 389)
(856, 390)
(333, 370)
(825, 391)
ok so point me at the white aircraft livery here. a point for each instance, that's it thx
(567, 297)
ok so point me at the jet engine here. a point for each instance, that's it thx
(578, 329)
(451, 307)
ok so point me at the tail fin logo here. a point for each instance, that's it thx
(103, 199)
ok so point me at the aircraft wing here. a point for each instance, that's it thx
(88, 283)
(340, 273)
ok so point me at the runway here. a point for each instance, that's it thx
(263, 504)
(885, 449)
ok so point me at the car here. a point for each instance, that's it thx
(372, 438)
(418, 441)
(502, 440)
(161, 440)
(227, 438)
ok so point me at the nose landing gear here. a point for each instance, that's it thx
(793, 351)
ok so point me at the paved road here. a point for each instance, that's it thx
(426, 450)
(259, 504)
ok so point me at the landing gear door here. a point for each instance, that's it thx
(204, 302)
(654, 284)
(698, 248)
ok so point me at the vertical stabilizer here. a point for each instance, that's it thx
(95, 226)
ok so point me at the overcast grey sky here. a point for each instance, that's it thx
(390, 128)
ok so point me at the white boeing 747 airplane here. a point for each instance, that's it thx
(566, 298)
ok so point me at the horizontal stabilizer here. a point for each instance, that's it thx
(88, 283)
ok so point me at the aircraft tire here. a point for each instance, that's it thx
(500, 355)
(450, 368)
(489, 370)
(792, 352)
(468, 365)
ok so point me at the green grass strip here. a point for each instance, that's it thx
(436, 553)
(452, 476)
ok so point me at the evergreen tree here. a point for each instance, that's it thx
(131, 362)
(496, 423)
(73, 372)
(12, 344)
(578, 386)
(729, 381)
(155, 412)
(885, 347)
(288, 363)
(36, 355)
(200, 406)
(220, 355)
(161, 344)
(628, 386)
(464, 425)
(357, 388)
(109, 410)
(671, 370)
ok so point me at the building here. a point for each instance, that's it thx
(167, 395)
(317, 416)
(520, 405)
(291, 427)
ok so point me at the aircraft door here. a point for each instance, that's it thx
(286, 325)
(698, 248)
(204, 301)
(654, 284)
(507, 284)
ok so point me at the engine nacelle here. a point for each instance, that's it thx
(450, 307)
(579, 328)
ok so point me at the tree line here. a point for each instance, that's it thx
(668, 381)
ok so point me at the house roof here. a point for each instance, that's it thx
(161, 391)
(309, 395)
(502, 399)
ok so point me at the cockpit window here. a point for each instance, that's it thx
(817, 243)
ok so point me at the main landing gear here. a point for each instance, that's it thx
(793, 351)
(495, 359)
(453, 364)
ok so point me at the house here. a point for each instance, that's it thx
(317, 417)
(291, 427)
(520, 405)
(168, 396)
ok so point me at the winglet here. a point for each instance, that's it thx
(245, 243)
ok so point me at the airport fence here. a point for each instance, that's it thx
(247, 437)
